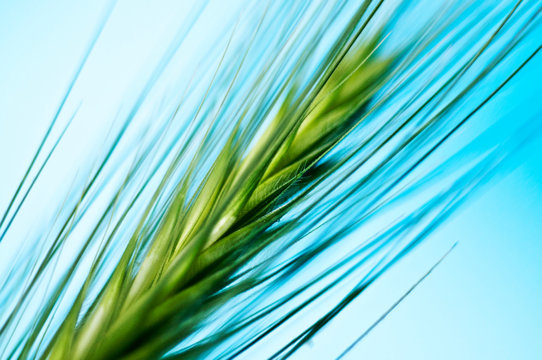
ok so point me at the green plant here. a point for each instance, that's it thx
(302, 161)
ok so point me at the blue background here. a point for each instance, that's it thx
(483, 302)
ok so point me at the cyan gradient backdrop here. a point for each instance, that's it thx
(483, 302)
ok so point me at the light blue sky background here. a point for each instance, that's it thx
(483, 302)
